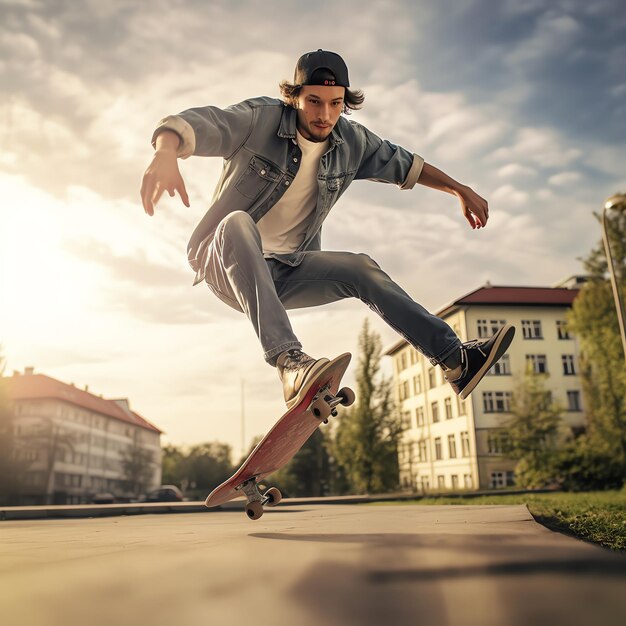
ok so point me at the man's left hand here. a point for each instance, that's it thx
(474, 207)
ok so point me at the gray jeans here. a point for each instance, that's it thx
(263, 289)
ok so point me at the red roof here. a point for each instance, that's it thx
(39, 386)
(541, 296)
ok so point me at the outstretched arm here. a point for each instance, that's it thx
(475, 209)
(163, 173)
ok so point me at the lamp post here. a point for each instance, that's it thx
(616, 202)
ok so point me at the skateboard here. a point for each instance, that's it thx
(285, 438)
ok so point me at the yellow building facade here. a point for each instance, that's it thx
(453, 445)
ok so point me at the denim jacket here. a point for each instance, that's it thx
(257, 140)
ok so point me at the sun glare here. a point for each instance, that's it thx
(44, 291)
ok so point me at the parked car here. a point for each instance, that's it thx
(103, 498)
(165, 493)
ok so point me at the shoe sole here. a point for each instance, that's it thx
(501, 345)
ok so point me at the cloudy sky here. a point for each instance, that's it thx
(523, 101)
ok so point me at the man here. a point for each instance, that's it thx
(258, 247)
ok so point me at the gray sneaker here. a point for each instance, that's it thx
(297, 372)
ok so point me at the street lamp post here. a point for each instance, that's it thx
(616, 202)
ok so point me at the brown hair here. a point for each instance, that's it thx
(352, 100)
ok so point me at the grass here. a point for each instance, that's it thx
(598, 517)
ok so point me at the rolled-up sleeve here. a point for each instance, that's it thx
(177, 124)
(414, 173)
(386, 162)
(209, 131)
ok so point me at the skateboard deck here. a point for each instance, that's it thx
(284, 439)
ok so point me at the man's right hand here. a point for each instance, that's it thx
(163, 174)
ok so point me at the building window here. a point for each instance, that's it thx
(425, 483)
(403, 390)
(434, 407)
(573, 401)
(531, 329)
(419, 416)
(487, 328)
(467, 481)
(413, 356)
(461, 406)
(497, 401)
(452, 446)
(569, 368)
(498, 479)
(406, 420)
(441, 482)
(455, 481)
(403, 362)
(448, 406)
(501, 479)
(496, 441)
(561, 330)
(422, 451)
(501, 368)
(438, 454)
(465, 444)
(417, 384)
(537, 362)
(493, 443)
(432, 378)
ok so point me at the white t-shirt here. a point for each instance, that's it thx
(284, 226)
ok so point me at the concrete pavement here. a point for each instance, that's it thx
(305, 565)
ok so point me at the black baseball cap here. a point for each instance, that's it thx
(321, 68)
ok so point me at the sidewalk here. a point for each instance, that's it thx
(308, 565)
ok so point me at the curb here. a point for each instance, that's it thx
(115, 510)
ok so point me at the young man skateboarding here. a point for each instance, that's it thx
(285, 164)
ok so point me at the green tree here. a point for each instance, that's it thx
(11, 467)
(137, 466)
(593, 319)
(172, 466)
(530, 437)
(51, 441)
(366, 438)
(307, 474)
(206, 466)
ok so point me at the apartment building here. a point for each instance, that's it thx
(73, 442)
(451, 444)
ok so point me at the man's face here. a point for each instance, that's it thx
(319, 108)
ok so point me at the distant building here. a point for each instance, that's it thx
(74, 442)
(450, 444)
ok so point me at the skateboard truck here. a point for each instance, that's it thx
(256, 500)
(323, 406)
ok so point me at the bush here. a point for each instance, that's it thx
(585, 466)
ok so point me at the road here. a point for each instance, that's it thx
(308, 565)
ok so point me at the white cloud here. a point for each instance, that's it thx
(508, 195)
(539, 147)
(515, 170)
(564, 179)
(553, 34)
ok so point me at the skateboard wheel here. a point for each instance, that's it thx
(347, 396)
(320, 409)
(274, 496)
(254, 509)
